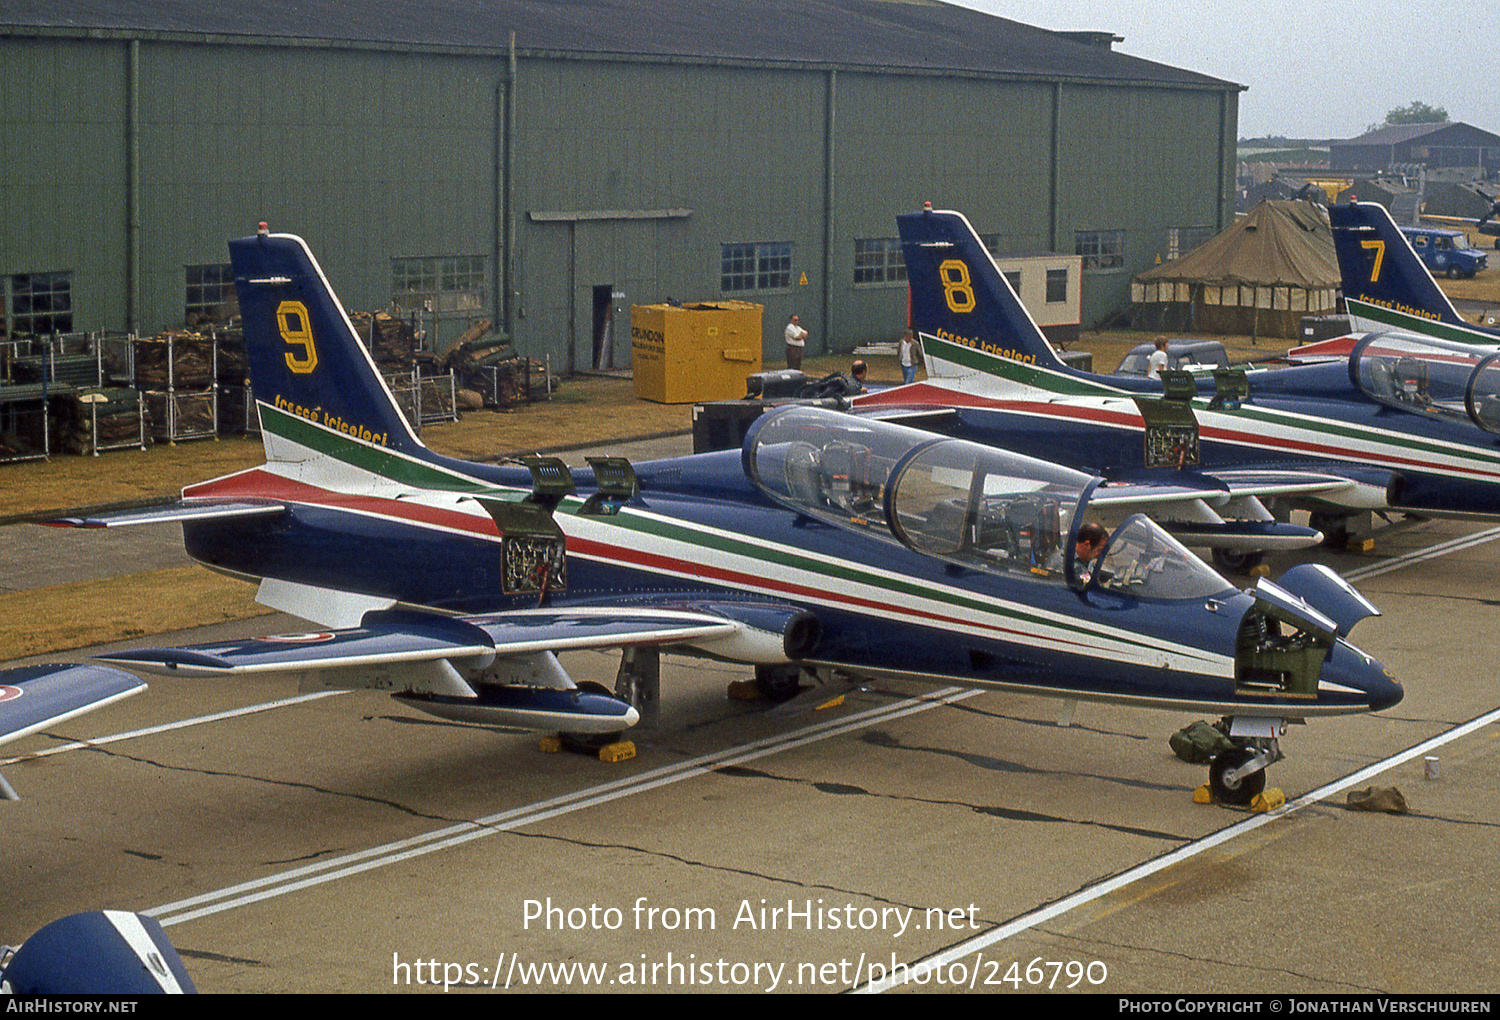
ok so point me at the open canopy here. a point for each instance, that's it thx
(1459, 382)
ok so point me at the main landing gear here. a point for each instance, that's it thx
(1236, 561)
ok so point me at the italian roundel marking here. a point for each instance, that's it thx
(311, 638)
(9, 693)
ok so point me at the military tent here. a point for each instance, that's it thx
(1260, 277)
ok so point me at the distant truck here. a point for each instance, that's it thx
(1445, 252)
(1188, 355)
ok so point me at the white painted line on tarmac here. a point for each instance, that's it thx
(1421, 555)
(454, 835)
(233, 713)
(1026, 922)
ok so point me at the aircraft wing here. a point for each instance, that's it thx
(1280, 483)
(495, 667)
(35, 697)
(1223, 510)
(404, 637)
(185, 510)
(1218, 487)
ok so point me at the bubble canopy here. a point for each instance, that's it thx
(972, 505)
(1441, 378)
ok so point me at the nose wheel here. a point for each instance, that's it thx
(1237, 776)
(1228, 783)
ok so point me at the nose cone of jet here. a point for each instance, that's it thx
(1350, 676)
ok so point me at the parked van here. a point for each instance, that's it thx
(1445, 252)
(1188, 355)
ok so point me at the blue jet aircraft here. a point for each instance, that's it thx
(1404, 423)
(1386, 286)
(829, 547)
(101, 952)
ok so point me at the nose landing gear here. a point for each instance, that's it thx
(1237, 776)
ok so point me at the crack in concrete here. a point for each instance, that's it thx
(1238, 964)
(1009, 814)
(306, 857)
(880, 738)
(741, 872)
(284, 783)
(976, 710)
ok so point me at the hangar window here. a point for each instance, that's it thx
(878, 260)
(443, 283)
(1181, 240)
(1013, 277)
(761, 266)
(209, 296)
(1101, 249)
(39, 303)
(1057, 285)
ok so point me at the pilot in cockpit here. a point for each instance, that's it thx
(1411, 381)
(1090, 543)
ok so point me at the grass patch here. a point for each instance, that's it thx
(64, 616)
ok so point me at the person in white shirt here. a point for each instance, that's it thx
(796, 342)
(1158, 360)
(908, 351)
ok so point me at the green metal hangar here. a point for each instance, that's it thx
(548, 163)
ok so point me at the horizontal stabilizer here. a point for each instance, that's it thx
(33, 697)
(187, 510)
(915, 417)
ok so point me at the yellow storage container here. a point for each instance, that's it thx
(691, 353)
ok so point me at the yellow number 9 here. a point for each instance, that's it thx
(296, 330)
(957, 290)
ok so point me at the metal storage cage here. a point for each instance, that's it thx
(424, 399)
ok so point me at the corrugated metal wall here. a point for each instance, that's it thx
(373, 154)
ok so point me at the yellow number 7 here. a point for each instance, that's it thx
(296, 330)
(1379, 248)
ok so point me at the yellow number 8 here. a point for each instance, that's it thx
(957, 290)
(291, 319)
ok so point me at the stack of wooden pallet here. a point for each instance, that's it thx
(491, 368)
(96, 419)
(390, 341)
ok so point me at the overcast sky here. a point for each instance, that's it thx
(1311, 73)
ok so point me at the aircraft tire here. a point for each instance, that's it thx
(778, 683)
(1247, 789)
(1241, 562)
(1334, 526)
